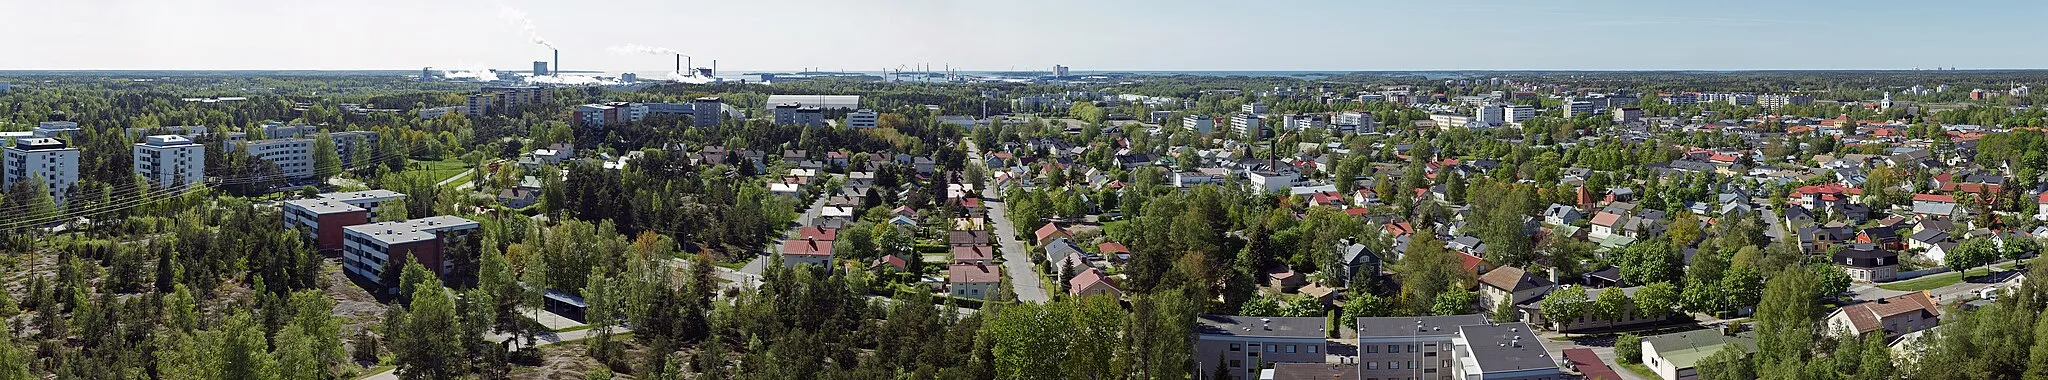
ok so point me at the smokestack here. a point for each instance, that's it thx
(714, 68)
(679, 63)
(558, 62)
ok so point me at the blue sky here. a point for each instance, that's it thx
(867, 35)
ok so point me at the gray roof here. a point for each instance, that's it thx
(1506, 347)
(1443, 325)
(1059, 249)
(1280, 327)
(411, 230)
(322, 206)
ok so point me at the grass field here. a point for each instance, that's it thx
(440, 170)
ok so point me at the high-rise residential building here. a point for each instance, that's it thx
(346, 144)
(1682, 99)
(863, 119)
(1518, 113)
(1297, 122)
(44, 158)
(1249, 125)
(497, 99)
(1356, 121)
(293, 157)
(1059, 71)
(1578, 108)
(1255, 108)
(1742, 99)
(1201, 124)
(1491, 114)
(1628, 114)
(707, 111)
(1781, 100)
(366, 247)
(799, 114)
(170, 161)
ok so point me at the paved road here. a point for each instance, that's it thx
(1016, 262)
(458, 176)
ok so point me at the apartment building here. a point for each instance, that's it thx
(799, 114)
(1506, 351)
(1201, 124)
(293, 156)
(1409, 347)
(43, 158)
(863, 119)
(366, 247)
(1245, 343)
(170, 161)
(324, 216)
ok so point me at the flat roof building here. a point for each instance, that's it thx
(367, 247)
(170, 161)
(1404, 347)
(1245, 343)
(48, 159)
(324, 216)
(839, 102)
(1502, 351)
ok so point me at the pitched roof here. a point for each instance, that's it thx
(1513, 279)
(1589, 364)
(807, 247)
(974, 253)
(1606, 219)
(817, 233)
(1112, 248)
(1869, 316)
(1089, 278)
(972, 274)
(1049, 230)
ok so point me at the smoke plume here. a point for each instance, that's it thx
(519, 17)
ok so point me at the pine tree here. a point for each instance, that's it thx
(427, 346)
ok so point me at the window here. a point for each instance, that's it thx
(1411, 347)
(1372, 349)
(1271, 348)
(1234, 363)
(1290, 348)
(1372, 365)
(1234, 347)
(1411, 364)
(1393, 348)
(1393, 365)
(1312, 348)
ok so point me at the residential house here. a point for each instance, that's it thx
(1560, 215)
(1246, 343)
(1606, 224)
(1359, 260)
(1051, 231)
(809, 250)
(1063, 255)
(1513, 284)
(974, 254)
(969, 238)
(1676, 356)
(1868, 263)
(1893, 317)
(974, 281)
(1092, 282)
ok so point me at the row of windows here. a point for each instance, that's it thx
(1275, 348)
(1395, 348)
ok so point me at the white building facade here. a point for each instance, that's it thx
(863, 119)
(170, 161)
(44, 158)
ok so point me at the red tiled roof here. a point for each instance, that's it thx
(1049, 230)
(1400, 228)
(806, 247)
(2044, 198)
(1869, 316)
(1111, 248)
(1089, 278)
(972, 274)
(1606, 219)
(974, 253)
(1471, 263)
(1362, 211)
(817, 233)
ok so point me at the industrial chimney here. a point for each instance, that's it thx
(558, 62)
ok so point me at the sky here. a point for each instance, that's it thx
(995, 35)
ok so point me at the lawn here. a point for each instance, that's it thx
(440, 170)
(1933, 281)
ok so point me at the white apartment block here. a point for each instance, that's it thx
(293, 157)
(1578, 108)
(1491, 115)
(863, 119)
(1516, 114)
(1255, 108)
(55, 129)
(1360, 121)
(1305, 122)
(1781, 100)
(1201, 124)
(170, 161)
(45, 158)
(1246, 124)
